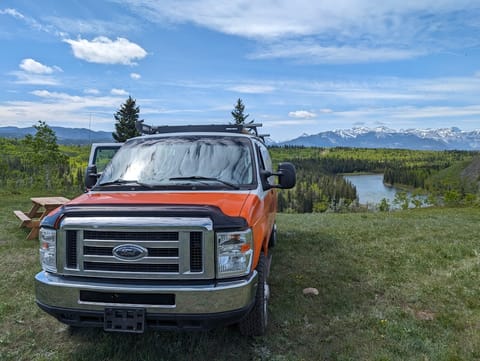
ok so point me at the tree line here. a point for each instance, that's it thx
(316, 190)
(38, 162)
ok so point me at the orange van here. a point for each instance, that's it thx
(174, 233)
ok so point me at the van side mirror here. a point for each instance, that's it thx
(286, 175)
(91, 176)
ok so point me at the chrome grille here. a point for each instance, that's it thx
(176, 248)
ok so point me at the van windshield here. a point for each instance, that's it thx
(199, 161)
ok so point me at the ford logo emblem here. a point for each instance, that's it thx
(129, 252)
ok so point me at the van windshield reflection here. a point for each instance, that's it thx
(210, 161)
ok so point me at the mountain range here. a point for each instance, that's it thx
(64, 135)
(383, 137)
(360, 137)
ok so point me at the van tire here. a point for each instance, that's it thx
(272, 242)
(256, 321)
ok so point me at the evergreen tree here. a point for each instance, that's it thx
(238, 112)
(126, 118)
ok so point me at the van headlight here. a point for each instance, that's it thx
(48, 249)
(234, 253)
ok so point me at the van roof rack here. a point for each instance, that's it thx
(251, 128)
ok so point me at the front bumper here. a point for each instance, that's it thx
(191, 305)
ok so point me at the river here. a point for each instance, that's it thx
(370, 188)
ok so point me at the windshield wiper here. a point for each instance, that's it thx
(200, 179)
(124, 182)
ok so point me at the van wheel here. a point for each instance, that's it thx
(273, 237)
(256, 321)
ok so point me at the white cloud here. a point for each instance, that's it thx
(449, 85)
(325, 111)
(331, 31)
(289, 122)
(387, 90)
(135, 76)
(35, 73)
(63, 109)
(12, 12)
(116, 91)
(33, 79)
(437, 112)
(62, 26)
(401, 116)
(34, 24)
(102, 50)
(252, 89)
(309, 52)
(92, 91)
(302, 114)
(32, 66)
(57, 96)
(284, 18)
(122, 24)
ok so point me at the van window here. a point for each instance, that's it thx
(265, 161)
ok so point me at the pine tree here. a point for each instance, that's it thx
(126, 118)
(238, 112)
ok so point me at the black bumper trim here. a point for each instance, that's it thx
(153, 321)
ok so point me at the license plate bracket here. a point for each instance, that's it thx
(124, 320)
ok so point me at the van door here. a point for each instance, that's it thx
(100, 156)
(102, 153)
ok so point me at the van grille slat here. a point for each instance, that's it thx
(131, 236)
(130, 267)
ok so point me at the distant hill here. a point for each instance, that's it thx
(64, 135)
(382, 137)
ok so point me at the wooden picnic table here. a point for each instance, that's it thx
(41, 207)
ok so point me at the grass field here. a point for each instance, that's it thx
(393, 286)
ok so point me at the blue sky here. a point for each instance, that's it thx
(299, 66)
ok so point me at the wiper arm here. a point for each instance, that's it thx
(124, 182)
(200, 178)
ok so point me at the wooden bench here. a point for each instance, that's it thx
(26, 220)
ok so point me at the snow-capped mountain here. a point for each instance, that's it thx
(361, 137)
(383, 137)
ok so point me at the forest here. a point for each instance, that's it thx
(445, 176)
(38, 163)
